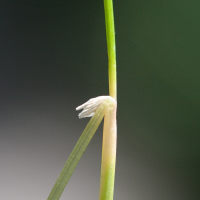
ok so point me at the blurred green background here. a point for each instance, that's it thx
(53, 57)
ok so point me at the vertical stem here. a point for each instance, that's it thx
(110, 35)
(110, 126)
(108, 155)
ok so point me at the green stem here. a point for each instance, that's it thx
(110, 126)
(108, 155)
(110, 35)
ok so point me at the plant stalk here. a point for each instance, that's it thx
(108, 155)
(109, 145)
(111, 47)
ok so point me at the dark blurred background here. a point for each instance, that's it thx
(53, 57)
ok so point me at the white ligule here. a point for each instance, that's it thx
(91, 106)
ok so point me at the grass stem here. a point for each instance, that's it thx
(110, 126)
(111, 47)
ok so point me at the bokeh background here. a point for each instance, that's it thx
(53, 58)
